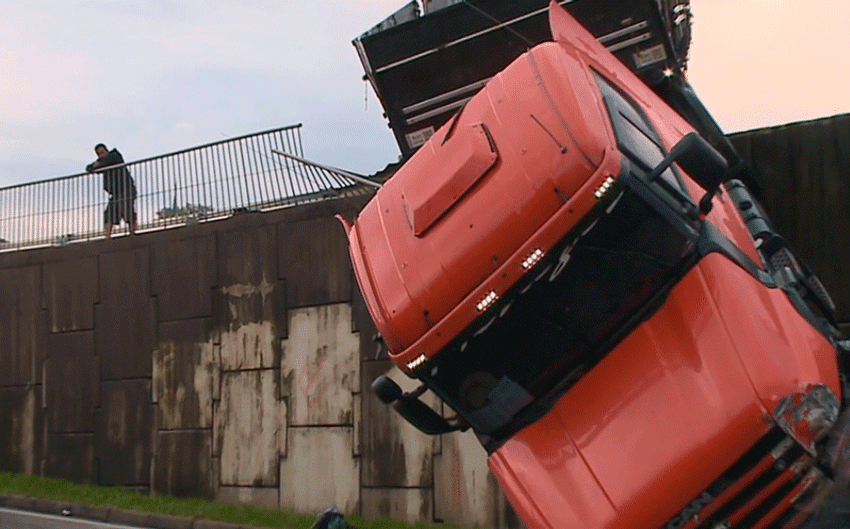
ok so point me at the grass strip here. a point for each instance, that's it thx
(64, 491)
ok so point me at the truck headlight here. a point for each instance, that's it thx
(808, 416)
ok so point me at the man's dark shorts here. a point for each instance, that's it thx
(120, 208)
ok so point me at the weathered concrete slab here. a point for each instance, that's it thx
(250, 302)
(186, 371)
(71, 382)
(22, 332)
(313, 257)
(320, 470)
(183, 274)
(182, 464)
(21, 429)
(126, 323)
(124, 432)
(258, 496)
(393, 453)
(465, 492)
(249, 345)
(70, 456)
(250, 428)
(409, 505)
(320, 366)
(371, 347)
(70, 292)
(247, 256)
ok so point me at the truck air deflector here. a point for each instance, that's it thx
(454, 166)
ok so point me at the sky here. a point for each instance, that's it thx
(157, 76)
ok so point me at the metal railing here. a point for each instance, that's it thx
(248, 173)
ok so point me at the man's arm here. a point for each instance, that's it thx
(113, 158)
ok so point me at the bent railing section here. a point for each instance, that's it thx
(194, 185)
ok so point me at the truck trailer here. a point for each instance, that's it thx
(585, 282)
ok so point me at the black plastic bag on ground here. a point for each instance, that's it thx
(332, 519)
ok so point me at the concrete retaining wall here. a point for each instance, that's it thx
(223, 360)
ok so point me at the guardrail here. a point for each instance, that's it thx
(251, 172)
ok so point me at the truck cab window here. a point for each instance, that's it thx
(549, 332)
(636, 137)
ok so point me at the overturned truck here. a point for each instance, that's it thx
(586, 283)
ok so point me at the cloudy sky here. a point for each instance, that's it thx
(157, 76)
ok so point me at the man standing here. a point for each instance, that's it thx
(121, 188)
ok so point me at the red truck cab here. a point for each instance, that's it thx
(574, 272)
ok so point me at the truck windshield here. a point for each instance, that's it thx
(549, 331)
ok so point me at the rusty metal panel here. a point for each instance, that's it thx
(21, 429)
(406, 504)
(834, 255)
(124, 432)
(70, 292)
(320, 366)
(70, 456)
(804, 171)
(71, 382)
(313, 257)
(249, 428)
(126, 323)
(183, 273)
(325, 452)
(393, 453)
(183, 465)
(823, 199)
(21, 332)
(185, 373)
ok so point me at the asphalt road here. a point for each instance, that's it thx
(12, 519)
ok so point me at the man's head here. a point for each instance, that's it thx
(101, 150)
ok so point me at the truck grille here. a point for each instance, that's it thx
(774, 485)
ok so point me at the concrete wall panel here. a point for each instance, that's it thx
(394, 453)
(71, 457)
(21, 330)
(183, 272)
(259, 496)
(185, 374)
(320, 366)
(250, 346)
(21, 429)
(320, 470)
(465, 492)
(304, 247)
(250, 427)
(126, 323)
(247, 256)
(183, 464)
(71, 382)
(410, 505)
(250, 302)
(70, 292)
(123, 436)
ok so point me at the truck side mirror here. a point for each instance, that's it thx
(701, 161)
(413, 410)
